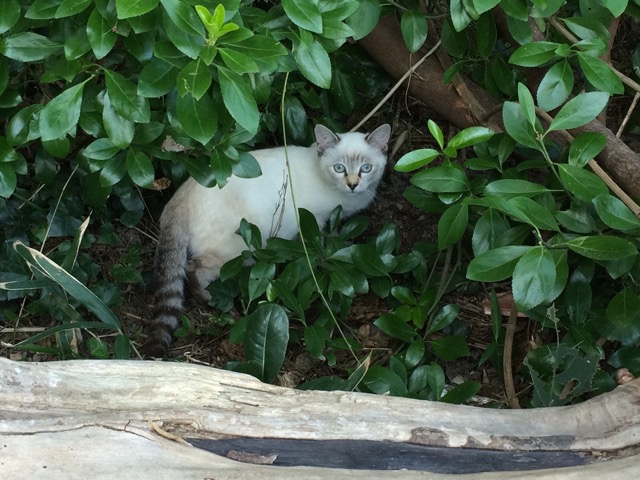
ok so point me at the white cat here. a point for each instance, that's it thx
(198, 225)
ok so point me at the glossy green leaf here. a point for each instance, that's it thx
(616, 7)
(125, 99)
(9, 14)
(534, 54)
(336, 30)
(304, 13)
(452, 225)
(533, 213)
(600, 74)
(113, 171)
(579, 111)
(450, 347)
(238, 62)
(470, 136)
(71, 7)
(128, 9)
(556, 85)
(315, 339)
(367, 260)
(28, 47)
(585, 147)
(100, 32)
(101, 149)
(314, 63)
(197, 117)
(578, 295)
(365, 18)
(602, 247)
(525, 100)
(416, 159)
(384, 381)
(518, 126)
(414, 28)
(509, 188)
(60, 116)
(140, 168)
(436, 132)
(614, 213)
(576, 220)
(488, 228)
(188, 43)
(8, 180)
(497, 264)
(194, 78)
(183, 16)
(157, 78)
(623, 313)
(259, 277)
(239, 100)
(265, 51)
(266, 339)
(482, 6)
(441, 179)
(395, 327)
(462, 393)
(533, 278)
(462, 13)
(119, 130)
(582, 183)
(443, 318)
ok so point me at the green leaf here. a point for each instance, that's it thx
(128, 8)
(614, 213)
(416, 159)
(197, 117)
(194, 78)
(602, 247)
(367, 259)
(315, 339)
(461, 16)
(533, 278)
(436, 133)
(113, 171)
(452, 225)
(28, 47)
(384, 381)
(486, 35)
(9, 14)
(395, 327)
(140, 168)
(586, 146)
(533, 213)
(8, 180)
(518, 126)
(497, 264)
(125, 99)
(578, 294)
(413, 25)
(183, 16)
(583, 184)
(101, 149)
(60, 116)
(623, 313)
(239, 99)
(461, 393)
(556, 85)
(525, 100)
(509, 188)
(482, 6)
(263, 50)
(470, 136)
(101, 36)
(119, 129)
(450, 348)
(71, 7)
(445, 316)
(600, 74)
(259, 277)
(365, 18)
(7, 153)
(157, 78)
(304, 13)
(188, 43)
(534, 54)
(238, 62)
(314, 63)
(576, 220)
(579, 111)
(336, 30)
(266, 339)
(616, 7)
(442, 179)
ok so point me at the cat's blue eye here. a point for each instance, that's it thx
(339, 168)
(366, 168)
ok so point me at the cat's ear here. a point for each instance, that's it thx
(380, 137)
(325, 138)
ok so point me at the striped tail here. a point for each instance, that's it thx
(169, 268)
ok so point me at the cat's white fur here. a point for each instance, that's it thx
(198, 226)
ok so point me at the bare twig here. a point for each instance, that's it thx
(407, 74)
(628, 115)
(509, 386)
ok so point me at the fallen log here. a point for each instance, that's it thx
(66, 420)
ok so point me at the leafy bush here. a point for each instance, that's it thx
(103, 101)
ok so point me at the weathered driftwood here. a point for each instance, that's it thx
(80, 419)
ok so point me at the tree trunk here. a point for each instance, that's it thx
(108, 419)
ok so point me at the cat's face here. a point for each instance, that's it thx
(353, 162)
